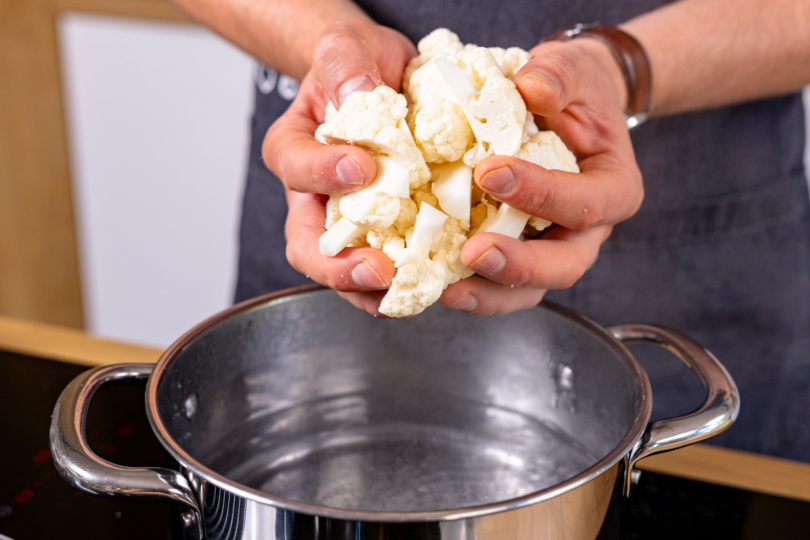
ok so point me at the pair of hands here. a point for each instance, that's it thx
(574, 89)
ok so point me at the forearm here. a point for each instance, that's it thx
(707, 53)
(280, 33)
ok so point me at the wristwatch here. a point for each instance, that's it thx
(632, 60)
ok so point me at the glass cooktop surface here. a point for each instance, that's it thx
(36, 504)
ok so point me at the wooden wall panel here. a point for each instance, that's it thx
(39, 272)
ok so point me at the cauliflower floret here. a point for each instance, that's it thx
(376, 211)
(418, 283)
(425, 194)
(448, 252)
(407, 216)
(441, 131)
(549, 151)
(363, 116)
(333, 214)
(459, 104)
(439, 42)
(510, 60)
(374, 120)
(480, 214)
(493, 106)
(388, 240)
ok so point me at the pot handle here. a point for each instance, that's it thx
(83, 469)
(716, 414)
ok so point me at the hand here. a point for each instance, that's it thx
(351, 55)
(576, 90)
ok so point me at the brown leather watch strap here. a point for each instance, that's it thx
(632, 60)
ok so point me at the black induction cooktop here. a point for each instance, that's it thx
(35, 503)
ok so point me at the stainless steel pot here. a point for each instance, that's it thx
(296, 416)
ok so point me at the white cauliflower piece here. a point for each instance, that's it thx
(425, 194)
(388, 241)
(481, 215)
(374, 120)
(333, 214)
(407, 216)
(439, 42)
(364, 117)
(448, 252)
(441, 131)
(510, 60)
(493, 106)
(377, 211)
(418, 283)
(549, 151)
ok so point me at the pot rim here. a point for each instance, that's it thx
(623, 448)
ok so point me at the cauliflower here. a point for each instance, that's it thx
(416, 285)
(439, 42)
(419, 281)
(546, 149)
(549, 151)
(374, 212)
(387, 240)
(375, 120)
(333, 210)
(441, 131)
(459, 105)
(510, 60)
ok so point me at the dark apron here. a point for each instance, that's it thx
(719, 251)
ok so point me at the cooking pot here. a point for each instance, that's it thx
(296, 416)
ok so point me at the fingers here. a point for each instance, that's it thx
(303, 164)
(355, 55)
(608, 190)
(481, 296)
(352, 270)
(562, 74)
(555, 261)
(366, 301)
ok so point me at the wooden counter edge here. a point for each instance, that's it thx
(700, 462)
(68, 345)
(734, 468)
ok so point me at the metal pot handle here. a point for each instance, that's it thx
(83, 469)
(716, 414)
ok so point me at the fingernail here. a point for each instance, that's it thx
(359, 83)
(499, 181)
(467, 303)
(490, 262)
(349, 172)
(364, 276)
(545, 78)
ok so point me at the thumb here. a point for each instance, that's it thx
(344, 63)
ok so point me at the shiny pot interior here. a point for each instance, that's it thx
(306, 403)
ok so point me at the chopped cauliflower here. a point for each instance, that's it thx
(441, 131)
(510, 60)
(549, 151)
(439, 42)
(387, 240)
(425, 194)
(375, 212)
(365, 118)
(459, 106)
(417, 284)
(333, 210)
(374, 120)
(407, 216)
